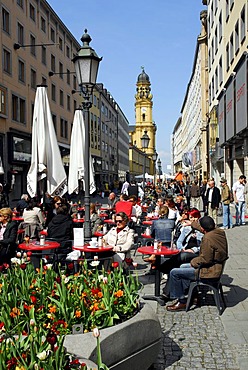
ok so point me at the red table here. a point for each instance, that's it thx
(78, 220)
(98, 233)
(19, 219)
(36, 247)
(102, 214)
(88, 248)
(152, 218)
(145, 236)
(43, 232)
(109, 221)
(164, 251)
(106, 209)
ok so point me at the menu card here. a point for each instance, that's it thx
(78, 236)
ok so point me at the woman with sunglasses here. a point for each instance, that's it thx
(121, 237)
(8, 235)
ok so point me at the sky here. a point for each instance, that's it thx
(160, 35)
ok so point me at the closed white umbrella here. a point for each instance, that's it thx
(1, 167)
(46, 158)
(77, 155)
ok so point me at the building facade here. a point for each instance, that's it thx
(190, 135)
(37, 48)
(227, 50)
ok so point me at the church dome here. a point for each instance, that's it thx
(143, 77)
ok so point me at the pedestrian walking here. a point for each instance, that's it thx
(213, 198)
(226, 201)
(195, 195)
(239, 199)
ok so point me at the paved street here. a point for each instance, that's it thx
(201, 338)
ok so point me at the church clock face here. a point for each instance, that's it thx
(143, 110)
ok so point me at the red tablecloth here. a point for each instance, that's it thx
(106, 209)
(20, 219)
(97, 233)
(35, 246)
(162, 252)
(152, 218)
(87, 248)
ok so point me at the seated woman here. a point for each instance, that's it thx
(189, 243)
(33, 219)
(121, 238)
(95, 220)
(173, 211)
(161, 230)
(8, 235)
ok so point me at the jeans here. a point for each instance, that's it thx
(180, 279)
(240, 212)
(227, 217)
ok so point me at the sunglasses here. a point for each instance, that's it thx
(58, 204)
(118, 221)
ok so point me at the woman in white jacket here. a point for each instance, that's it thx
(120, 237)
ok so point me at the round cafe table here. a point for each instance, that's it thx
(17, 218)
(149, 223)
(98, 233)
(87, 248)
(163, 251)
(35, 247)
(109, 221)
(78, 220)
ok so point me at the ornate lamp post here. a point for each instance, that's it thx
(86, 64)
(154, 158)
(144, 143)
(159, 169)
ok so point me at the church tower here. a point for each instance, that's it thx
(143, 114)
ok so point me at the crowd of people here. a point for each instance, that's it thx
(185, 216)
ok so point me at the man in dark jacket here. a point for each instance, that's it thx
(61, 225)
(213, 252)
(213, 198)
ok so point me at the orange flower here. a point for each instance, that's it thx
(119, 293)
(100, 294)
(52, 309)
(94, 307)
(78, 313)
(15, 312)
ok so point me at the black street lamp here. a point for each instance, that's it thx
(159, 168)
(144, 143)
(154, 158)
(86, 64)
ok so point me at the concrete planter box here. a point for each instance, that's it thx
(133, 344)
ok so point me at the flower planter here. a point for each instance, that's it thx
(133, 344)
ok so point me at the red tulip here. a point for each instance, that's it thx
(115, 265)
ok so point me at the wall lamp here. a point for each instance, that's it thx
(18, 46)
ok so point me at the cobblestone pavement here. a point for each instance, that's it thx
(200, 338)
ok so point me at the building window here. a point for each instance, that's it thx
(231, 4)
(3, 100)
(68, 76)
(20, 3)
(54, 118)
(6, 61)
(74, 82)
(43, 55)
(61, 70)
(242, 25)
(20, 34)
(33, 47)
(237, 37)
(68, 102)
(63, 128)
(43, 24)
(32, 12)
(227, 10)
(18, 109)
(33, 78)
(5, 21)
(227, 57)
(212, 50)
(216, 40)
(53, 92)
(61, 98)
(60, 43)
(67, 51)
(231, 48)
(52, 34)
(21, 71)
(220, 71)
(220, 27)
(53, 63)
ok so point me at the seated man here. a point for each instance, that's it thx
(213, 252)
(120, 237)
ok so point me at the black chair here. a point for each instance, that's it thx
(213, 284)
